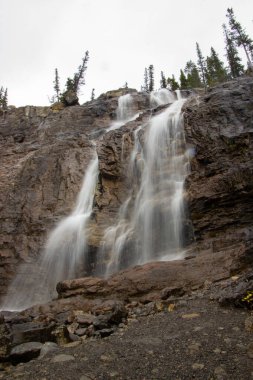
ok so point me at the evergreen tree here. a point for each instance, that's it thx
(3, 98)
(92, 94)
(183, 81)
(173, 85)
(193, 78)
(151, 83)
(163, 80)
(78, 79)
(126, 85)
(57, 85)
(216, 73)
(145, 87)
(234, 61)
(201, 65)
(240, 37)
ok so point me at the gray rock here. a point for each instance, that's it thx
(81, 331)
(62, 358)
(47, 348)
(25, 352)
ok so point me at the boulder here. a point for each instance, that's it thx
(25, 352)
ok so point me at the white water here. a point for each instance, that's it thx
(150, 221)
(161, 97)
(125, 112)
(64, 254)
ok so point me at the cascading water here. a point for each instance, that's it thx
(150, 221)
(124, 113)
(161, 97)
(64, 254)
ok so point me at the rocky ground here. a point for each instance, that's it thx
(191, 338)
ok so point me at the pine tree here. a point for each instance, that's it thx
(145, 87)
(78, 79)
(163, 80)
(183, 81)
(239, 35)
(3, 98)
(126, 85)
(173, 85)
(201, 65)
(57, 85)
(216, 73)
(234, 61)
(151, 84)
(193, 78)
(92, 94)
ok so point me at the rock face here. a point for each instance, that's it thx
(45, 152)
(219, 189)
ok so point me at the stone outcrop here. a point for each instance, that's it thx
(45, 151)
(218, 127)
(44, 154)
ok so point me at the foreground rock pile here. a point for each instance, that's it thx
(188, 337)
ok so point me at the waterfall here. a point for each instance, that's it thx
(125, 112)
(64, 254)
(161, 97)
(150, 221)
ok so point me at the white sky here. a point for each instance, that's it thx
(122, 36)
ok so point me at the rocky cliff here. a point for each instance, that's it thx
(45, 152)
(219, 127)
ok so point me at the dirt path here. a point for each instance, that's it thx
(197, 340)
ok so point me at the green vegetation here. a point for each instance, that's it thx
(240, 37)
(3, 98)
(151, 84)
(247, 300)
(163, 81)
(72, 87)
(92, 94)
(57, 85)
(209, 71)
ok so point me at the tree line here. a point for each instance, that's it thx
(209, 71)
(203, 73)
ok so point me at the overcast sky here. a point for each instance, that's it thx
(122, 36)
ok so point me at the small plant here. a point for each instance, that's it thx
(247, 300)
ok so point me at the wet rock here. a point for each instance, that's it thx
(145, 283)
(25, 352)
